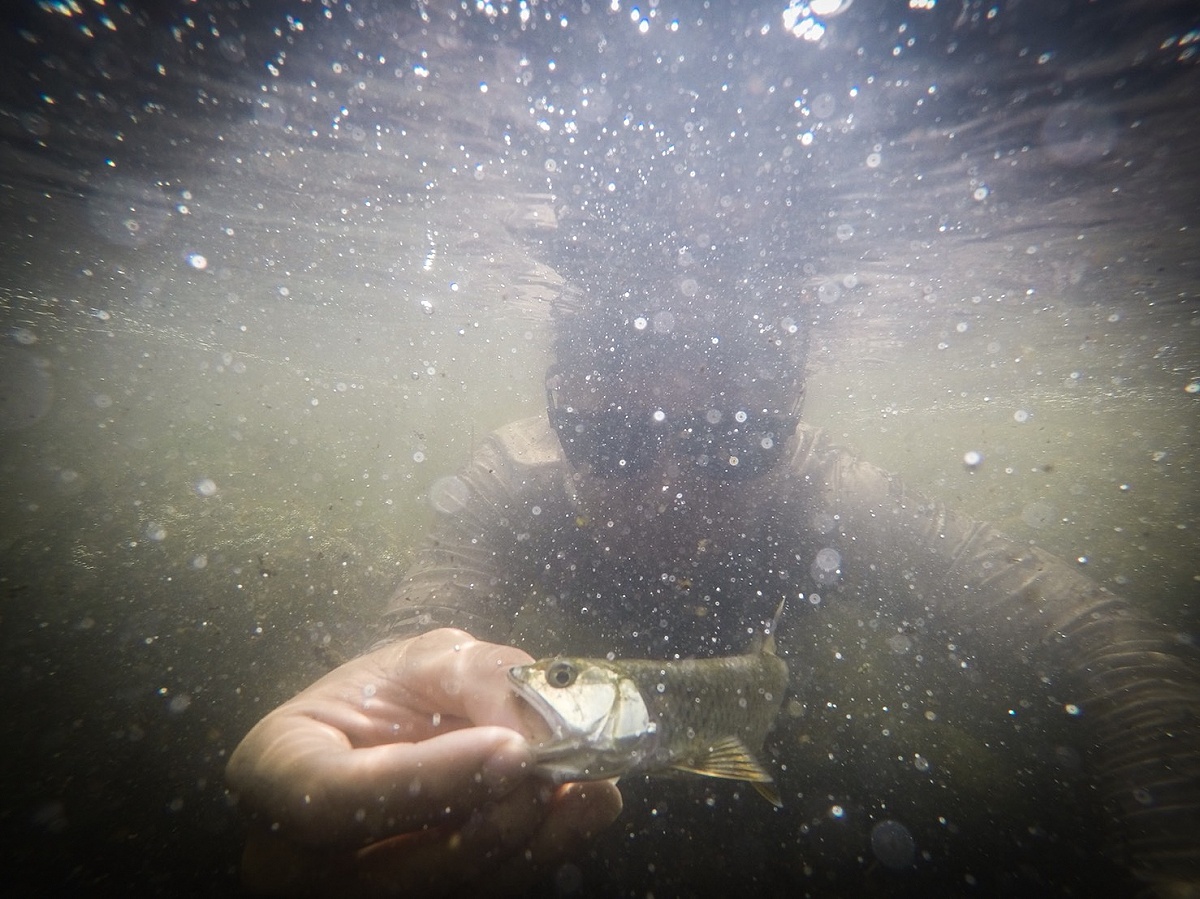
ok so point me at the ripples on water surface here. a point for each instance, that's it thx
(268, 276)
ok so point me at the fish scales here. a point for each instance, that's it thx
(697, 701)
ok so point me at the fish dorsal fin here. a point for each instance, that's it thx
(729, 758)
(768, 645)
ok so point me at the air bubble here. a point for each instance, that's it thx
(899, 643)
(893, 845)
(829, 292)
(826, 567)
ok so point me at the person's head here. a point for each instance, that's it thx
(698, 391)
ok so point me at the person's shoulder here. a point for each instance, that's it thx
(817, 442)
(809, 434)
(528, 442)
(812, 447)
(823, 457)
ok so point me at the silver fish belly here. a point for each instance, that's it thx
(703, 716)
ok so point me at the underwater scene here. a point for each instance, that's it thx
(600, 448)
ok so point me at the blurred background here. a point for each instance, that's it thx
(269, 272)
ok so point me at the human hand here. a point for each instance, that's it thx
(408, 769)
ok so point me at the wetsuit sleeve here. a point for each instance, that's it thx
(464, 571)
(1137, 684)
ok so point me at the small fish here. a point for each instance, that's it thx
(702, 716)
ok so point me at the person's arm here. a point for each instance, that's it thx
(1136, 684)
(476, 567)
(408, 769)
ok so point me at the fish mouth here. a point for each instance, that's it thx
(561, 744)
(558, 735)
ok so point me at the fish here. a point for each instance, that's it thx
(613, 717)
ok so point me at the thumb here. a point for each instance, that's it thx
(578, 812)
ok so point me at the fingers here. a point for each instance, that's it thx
(383, 744)
(416, 689)
(502, 850)
(410, 736)
(446, 861)
(578, 812)
(448, 672)
(322, 796)
(409, 784)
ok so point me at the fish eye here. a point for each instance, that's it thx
(561, 674)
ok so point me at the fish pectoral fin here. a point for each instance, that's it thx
(729, 758)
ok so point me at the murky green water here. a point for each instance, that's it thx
(266, 276)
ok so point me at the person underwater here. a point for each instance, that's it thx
(661, 510)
